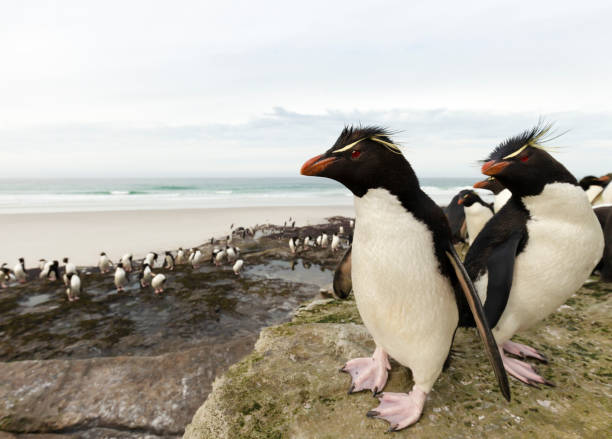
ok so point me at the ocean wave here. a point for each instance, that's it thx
(174, 188)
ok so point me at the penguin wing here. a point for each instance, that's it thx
(481, 321)
(343, 284)
(500, 269)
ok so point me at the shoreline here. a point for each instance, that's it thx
(81, 236)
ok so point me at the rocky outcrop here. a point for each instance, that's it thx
(289, 386)
(109, 397)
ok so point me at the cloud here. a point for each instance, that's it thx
(437, 142)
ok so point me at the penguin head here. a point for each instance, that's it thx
(591, 180)
(102, 254)
(21, 260)
(65, 260)
(120, 265)
(361, 158)
(469, 199)
(522, 165)
(55, 264)
(491, 184)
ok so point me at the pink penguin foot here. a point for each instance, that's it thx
(368, 373)
(523, 351)
(524, 372)
(399, 409)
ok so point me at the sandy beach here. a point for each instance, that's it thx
(83, 235)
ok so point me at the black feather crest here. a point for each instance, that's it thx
(534, 138)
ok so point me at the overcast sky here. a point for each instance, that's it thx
(249, 88)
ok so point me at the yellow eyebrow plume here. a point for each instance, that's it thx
(533, 143)
(390, 146)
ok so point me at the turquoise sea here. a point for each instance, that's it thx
(54, 195)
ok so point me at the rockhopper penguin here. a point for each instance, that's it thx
(502, 195)
(537, 250)
(406, 276)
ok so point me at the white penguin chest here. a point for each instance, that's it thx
(400, 293)
(476, 216)
(565, 242)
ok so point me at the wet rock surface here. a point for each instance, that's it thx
(136, 364)
(290, 386)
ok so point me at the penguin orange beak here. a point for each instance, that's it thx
(604, 179)
(481, 184)
(493, 168)
(460, 201)
(316, 165)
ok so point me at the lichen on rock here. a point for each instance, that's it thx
(290, 385)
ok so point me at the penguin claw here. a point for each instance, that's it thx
(368, 373)
(523, 351)
(524, 372)
(400, 410)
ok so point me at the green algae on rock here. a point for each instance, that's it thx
(290, 387)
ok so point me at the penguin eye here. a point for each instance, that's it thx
(524, 158)
(355, 154)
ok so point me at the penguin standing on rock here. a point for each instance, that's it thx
(150, 259)
(335, 242)
(145, 275)
(20, 271)
(537, 250)
(158, 283)
(168, 261)
(104, 263)
(196, 258)
(121, 277)
(180, 256)
(477, 213)
(408, 291)
(5, 274)
(69, 267)
(238, 266)
(74, 286)
(52, 270)
(127, 260)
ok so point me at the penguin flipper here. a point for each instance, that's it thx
(500, 269)
(343, 284)
(482, 325)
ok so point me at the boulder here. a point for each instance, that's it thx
(290, 385)
(129, 396)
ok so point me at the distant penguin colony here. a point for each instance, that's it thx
(50, 270)
(414, 325)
